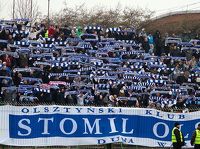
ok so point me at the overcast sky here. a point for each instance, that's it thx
(159, 6)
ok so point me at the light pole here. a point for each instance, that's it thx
(31, 10)
(48, 13)
(13, 9)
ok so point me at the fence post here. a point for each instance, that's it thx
(121, 144)
(109, 146)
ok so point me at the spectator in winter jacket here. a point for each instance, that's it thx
(195, 140)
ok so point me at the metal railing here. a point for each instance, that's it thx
(174, 109)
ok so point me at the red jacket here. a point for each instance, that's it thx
(51, 31)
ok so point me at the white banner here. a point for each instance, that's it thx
(68, 126)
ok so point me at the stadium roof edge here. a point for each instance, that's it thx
(175, 13)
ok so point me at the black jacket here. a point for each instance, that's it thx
(178, 137)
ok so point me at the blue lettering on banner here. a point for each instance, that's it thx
(161, 144)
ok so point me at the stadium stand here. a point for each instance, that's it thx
(102, 67)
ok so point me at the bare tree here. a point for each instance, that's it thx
(28, 9)
(80, 15)
(135, 17)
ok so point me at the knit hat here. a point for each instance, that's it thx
(176, 124)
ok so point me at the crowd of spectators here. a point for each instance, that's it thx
(95, 66)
